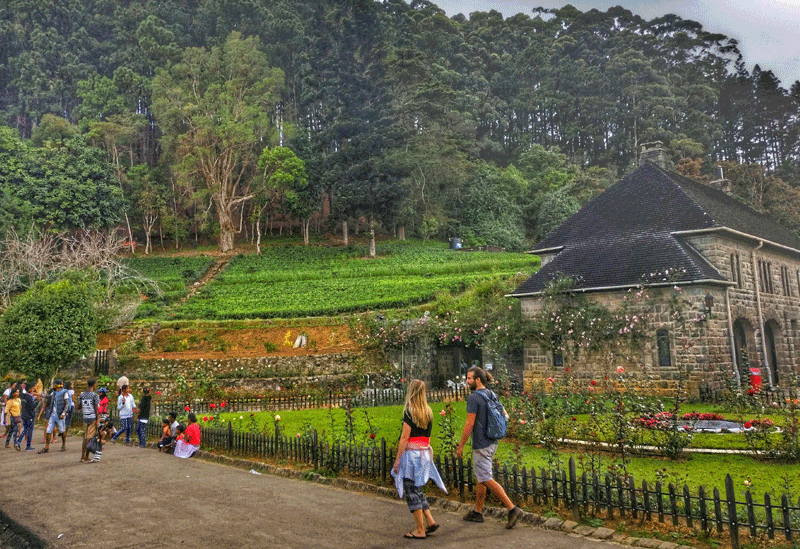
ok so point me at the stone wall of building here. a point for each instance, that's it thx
(779, 298)
(699, 357)
(702, 347)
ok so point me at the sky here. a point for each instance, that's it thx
(768, 31)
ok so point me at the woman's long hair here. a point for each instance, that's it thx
(417, 404)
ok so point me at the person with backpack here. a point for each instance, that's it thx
(486, 424)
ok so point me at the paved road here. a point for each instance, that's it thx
(141, 498)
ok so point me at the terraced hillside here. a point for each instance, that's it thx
(290, 281)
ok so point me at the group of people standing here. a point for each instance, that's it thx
(414, 465)
(18, 413)
(20, 402)
(413, 468)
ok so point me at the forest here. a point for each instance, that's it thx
(222, 120)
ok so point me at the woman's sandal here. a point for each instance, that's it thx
(432, 528)
(43, 451)
(411, 535)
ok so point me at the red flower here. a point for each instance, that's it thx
(158, 392)
(188, 409)
(205, 418)
(574, 418)
(222, 404)
(212, 405)
(748, 425)
(372, 436)
(593, 383)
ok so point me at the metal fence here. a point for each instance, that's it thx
(365, 398)
(583, 495)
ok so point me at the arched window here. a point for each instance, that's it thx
(558, 355)
(662, 342)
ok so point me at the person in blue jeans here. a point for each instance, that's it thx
(57, 408)
(126, 407)
(144, 417)
(28, 417)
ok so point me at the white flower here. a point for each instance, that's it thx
(277, 418)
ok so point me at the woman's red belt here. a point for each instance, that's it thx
(422, 441)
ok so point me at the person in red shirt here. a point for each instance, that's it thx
(191, 439)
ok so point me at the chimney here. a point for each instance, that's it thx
(653, 152)
(721, 183)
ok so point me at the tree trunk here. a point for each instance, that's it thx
(226, 229)
(401, 232)
(306, 223)
(345, 236)
(258, 238)
(372, 243)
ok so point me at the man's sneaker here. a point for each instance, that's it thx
(30, 449)
(473, 516)
(513, 517)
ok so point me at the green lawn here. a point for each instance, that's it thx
(698, 469)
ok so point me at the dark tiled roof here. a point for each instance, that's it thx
(625, 235)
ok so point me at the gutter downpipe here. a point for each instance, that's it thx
(735, 362)
(760, 315)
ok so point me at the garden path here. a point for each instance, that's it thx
(142, 498)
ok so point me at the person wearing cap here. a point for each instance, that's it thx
(126, 406)
(57, 414)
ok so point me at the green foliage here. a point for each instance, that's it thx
(291, 281)
(48, 328)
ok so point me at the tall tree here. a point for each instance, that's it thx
(214, 108)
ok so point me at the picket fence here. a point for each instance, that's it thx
(365, 398)
(584, 495)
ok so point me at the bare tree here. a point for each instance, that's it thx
(25, 259)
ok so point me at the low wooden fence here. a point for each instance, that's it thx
(587, 494)
(365, 398)
(780, 397)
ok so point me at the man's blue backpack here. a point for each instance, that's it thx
(496, 424)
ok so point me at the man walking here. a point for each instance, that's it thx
(126, 407)
(89, 402)
(56, 416)
(28, 417)
(483, 449)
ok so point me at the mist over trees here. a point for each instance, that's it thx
(151, 115)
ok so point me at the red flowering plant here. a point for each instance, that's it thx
(761, 439)
(707, 416)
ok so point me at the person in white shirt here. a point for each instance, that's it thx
(126, 407)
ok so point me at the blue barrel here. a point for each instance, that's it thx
(455, 244)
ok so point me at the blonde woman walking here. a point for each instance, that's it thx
(414, 465)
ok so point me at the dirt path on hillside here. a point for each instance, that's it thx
(238, 342)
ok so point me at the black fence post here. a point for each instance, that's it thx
(787, 523)
(315, 449)
(770, 521)
(751, 513)
(733, 523)
(687, 505)
(230, 436)
(573, 493)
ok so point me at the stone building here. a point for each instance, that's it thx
(738, 270)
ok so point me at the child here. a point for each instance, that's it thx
(105, 425)
(166, 435)
(13, 417)
(180, 430)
